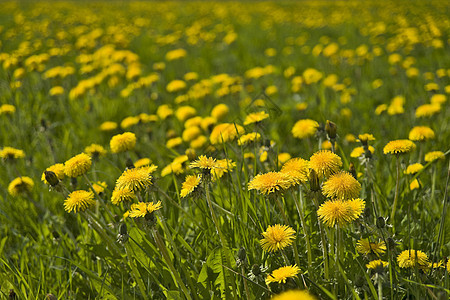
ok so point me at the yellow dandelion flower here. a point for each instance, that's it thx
(58, 169)
(357, 207)
(175, 86)
(342, 186)
(427, 110)
(280, 275)
(350, 138)
(8, 153)
(122, 142)
(297, 168)
(396, 106)
(438, 99)
(20, 185)
(414, 168)
(190, 184)
(95, 150)
(434, 155)
(277, 237)
(222, 166)
(120, 195)
(359, 151)
(129, 121)
(415, 184)
(56, 90)
(191, 133)
(176, 54)
(294, 295)
(304, 128)
(174, 142)
(142, 209)
(225, 132)
(220, 111)
(108, 126)
(79, 201)
(413, 258)
(325, 162)
(366, 137)
(135, 179)
(421, 133)
(336, 212)
(270, 182)
(399, 147)
(249, 138)
(99, 186)
(164, 111)
(375, 264)
(185, 112)
(204, 162)
(380, 109)
(142, 162)
(77, 165)
(7, 109)
(365, 247)
(255, 117)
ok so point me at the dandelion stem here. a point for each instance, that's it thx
(162, 247)
(247, 292)
(305, 228)
(380, 287)
(324, 243)
(444, 213)
(397, 184)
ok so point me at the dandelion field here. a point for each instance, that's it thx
(224, 150)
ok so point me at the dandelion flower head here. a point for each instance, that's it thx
(434, 155)
(280, 275)
(135, 179)
(122, 142)
(11, 153)
(421, 133)
(297, 168)
(270, 182)
(79, 201)
(277, 237)
(95, 150)
(399, 147)
(141, 209)
(294, 295)
(338, 212)
(414, 168)
(374, 264)
(341, 185)
(325, 163)
(190, 184)
(304, 128)
(58, 169)
(121, 195)
(77, 165)
(363, 246)
(255, 117)
(225, 132)
(412, 258)
(20, 185)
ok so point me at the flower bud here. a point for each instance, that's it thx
(314, 184)
(51, 178)
(381, 222)
(331, 130)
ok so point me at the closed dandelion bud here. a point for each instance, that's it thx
(241, 257)
(331, 130)
(73, 182)
(150, 219)
(191, 154)
(129, 164)
(51, 178)
(381, 222)
(391, 243)
(123, 236)
(256, 270)
(314, 184)
(55, 235)
(352, 170)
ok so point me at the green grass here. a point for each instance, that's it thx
(207, 247)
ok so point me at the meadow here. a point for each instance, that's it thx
(224, 150)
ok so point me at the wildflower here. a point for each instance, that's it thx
(225, 132)
(280, 275)
(222, 166)
(421, 133)
(120, 195)
(20, 185)
(175, 54)
(438, 99)
(364, 138)
(365, 247)
(108, 126)
(270, 182)
(294, 294)
(129, 121)
(99, 186)
(204, 162)
(311, 75)
(7, 109)
(325, 162)
(412, 258)
(297, 168)
(9, 153)
(176, 166)
(248, 138)
(79, 201)
(434, 155)
(304, 128)
(277, 237)
(191, 133)
(415, 184)
(357, 206)
(359, 151)
(175, 85)
(207, 123)
(142, 162)
(375, 264)
(414, 168)
(141, 209)
(350, 138)
(341, 186)
(185, 112)
(283, 157)
(380, 109)
(172, 143)
(399, 147)
(135, 179)
(58, 169)
(189, 185)
(122, 142)
(95, 150)
(255, 117)
(164, 111)
(77, 165)
(427, 110)
(396, 106)
(336, 212)
(199, 142)
(56, 90)
(220, 111)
